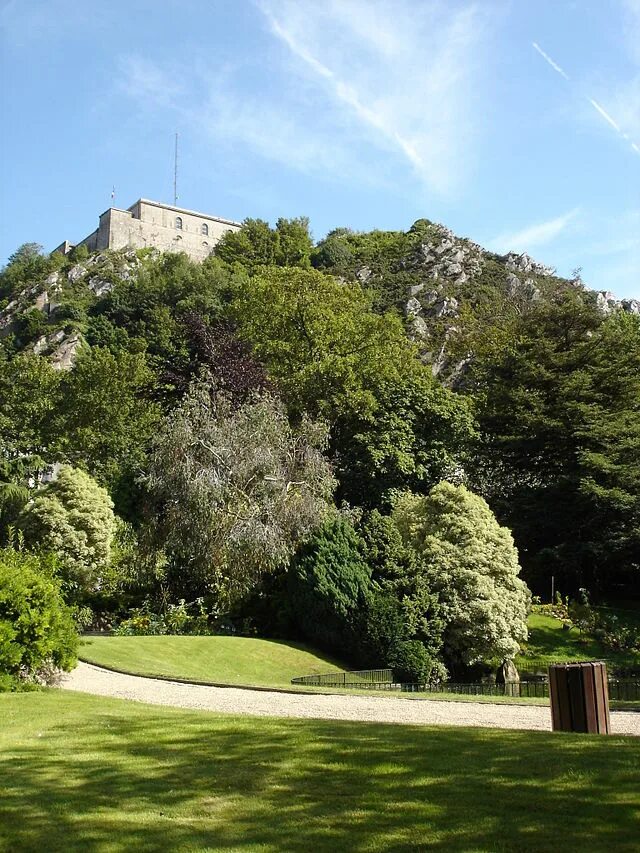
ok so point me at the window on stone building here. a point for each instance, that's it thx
(205, 244)
(178, 223)
(204, 229)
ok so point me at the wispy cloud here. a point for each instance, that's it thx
(403, 73)
(149, 83)
(365, 90)
(353, 90)
(538, 234)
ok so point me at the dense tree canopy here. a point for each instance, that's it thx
(236, 489)
(332, 356)
(472, 565)
(559, 406)
(215, 403)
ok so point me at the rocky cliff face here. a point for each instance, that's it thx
(47, 303)
(439, 281)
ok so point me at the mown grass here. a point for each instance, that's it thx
(248, 661)
(228, 660)
(549, 641)
(84, 773)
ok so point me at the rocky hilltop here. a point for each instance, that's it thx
(441, 284)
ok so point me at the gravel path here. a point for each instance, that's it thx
(87, 678)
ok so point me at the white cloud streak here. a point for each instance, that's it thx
(550, 61)
(403, 74)
(360, 91)
(345, 93)
(538, 234)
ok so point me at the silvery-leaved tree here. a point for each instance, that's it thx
(471, 563)
(236, 489)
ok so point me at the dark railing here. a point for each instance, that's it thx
(367, 678)
(620, 690)
(532, 667)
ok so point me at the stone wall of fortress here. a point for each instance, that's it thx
(164, 227)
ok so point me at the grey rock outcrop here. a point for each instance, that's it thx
(363, 275)
(413, 307)
(632, 306)
(525, 263)
(76, 273)
(65, 355)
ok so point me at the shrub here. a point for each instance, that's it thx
(37, 629)
(412, 663)
(328, 583)
(180, 618)
(386, 638)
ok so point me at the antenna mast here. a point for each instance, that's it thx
(175, 174)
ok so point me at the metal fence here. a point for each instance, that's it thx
(367, 678)
(620, 689)
(534, 668)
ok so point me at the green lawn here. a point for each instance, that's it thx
(228, 660)
(549, 642)
(82, 773)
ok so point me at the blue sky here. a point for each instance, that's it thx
(516, 124)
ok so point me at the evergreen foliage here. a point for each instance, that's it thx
(329, 582)
(558, 407)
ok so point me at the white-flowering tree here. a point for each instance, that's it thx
(470, 561)
(72, 517)
(236, 490)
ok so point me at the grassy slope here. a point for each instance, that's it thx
(231, 660)
(549, 642)
(85, 773)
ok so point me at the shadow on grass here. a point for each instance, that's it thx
(91, 774)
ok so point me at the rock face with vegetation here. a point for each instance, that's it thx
(342, 429)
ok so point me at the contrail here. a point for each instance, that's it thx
(605, 115)
(597, 107)
(548, 59)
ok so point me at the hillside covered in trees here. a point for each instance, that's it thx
(379, 443)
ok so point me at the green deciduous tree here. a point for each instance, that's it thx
(332, 356)
(471, 564)
(72, 517)
(256, 244)
(29, 399)
(106, 418)
(236, 490)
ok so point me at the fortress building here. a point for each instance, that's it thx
(161, 226)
